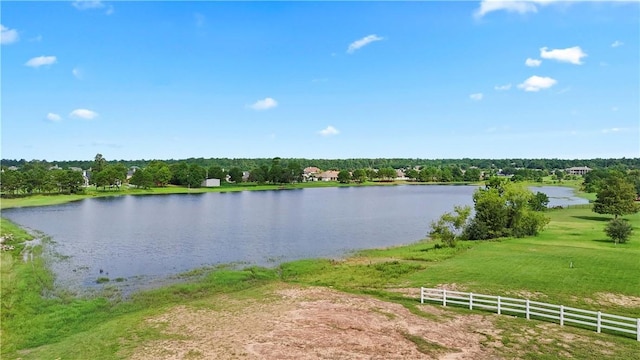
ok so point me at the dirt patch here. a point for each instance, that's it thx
(452, 287)
(318, 323)
(617, 299)
(525, 294)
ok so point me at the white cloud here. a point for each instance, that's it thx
(363, 42)
(617, 43)
(476, 96)
(614, 108)
(53, 117)
(83, 114)
(36, 38)
(264, 104)
(612, 130)
(92, 4)
(41, 61)
(537, 83)
(77, 73)
(329, 131)
(8, 36)
(521, 7)
(571, 55)
(532, 62)
(502, 87)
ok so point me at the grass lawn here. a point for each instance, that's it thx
(38, 320)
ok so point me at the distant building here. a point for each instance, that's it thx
(132, 171)
(330, 175)
(211, 183)
(578, 170)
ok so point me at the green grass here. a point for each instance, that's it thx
(38, 320)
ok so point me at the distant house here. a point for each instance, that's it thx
(400, 175)
(330, 175)
(211, 183)
(311, 170)
(131, 171)
(578, 170)
(245, 176)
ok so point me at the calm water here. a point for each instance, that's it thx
(146, 238)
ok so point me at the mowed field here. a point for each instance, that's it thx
(364, 306)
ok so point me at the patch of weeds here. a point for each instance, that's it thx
(120, 279)
(193, 354)
(102, 280)
(427, 347)
(386, 314)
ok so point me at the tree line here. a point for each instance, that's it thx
(35, 177)
(507, 165)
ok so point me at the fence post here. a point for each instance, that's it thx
(470, 301)
(421, 295)
(444, 297)
(498, 305)
(561, 315)
(527, 308)
(598, 326)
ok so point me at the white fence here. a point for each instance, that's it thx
(564, 314)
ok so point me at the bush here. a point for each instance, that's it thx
(618, 230)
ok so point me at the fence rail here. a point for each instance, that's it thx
(548, 312)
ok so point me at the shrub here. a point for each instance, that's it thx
(618, 230)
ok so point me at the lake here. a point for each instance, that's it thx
(143, 239)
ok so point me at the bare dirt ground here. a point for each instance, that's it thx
(318, 323)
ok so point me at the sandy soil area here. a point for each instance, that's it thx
(318, 323)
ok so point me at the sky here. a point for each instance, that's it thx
(332, 80)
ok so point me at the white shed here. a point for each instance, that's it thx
(211, 183)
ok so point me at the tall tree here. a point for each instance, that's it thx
(235, 175)
(99, 162)
(616, 197)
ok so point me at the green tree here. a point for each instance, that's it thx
(359, 175)
(472, 174)
(412, 174)
(11, 181)
(142, 178)
(216, 172)
(539, 201)
(99, 162)
(196, 175)
(618, 230)
(258, 175)
(450, 226)
(235, 175)
(559, 174)
(344, 177)
(387, 174)
(616, 197)
(504, 209)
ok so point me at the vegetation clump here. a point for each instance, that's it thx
(502, 209)
(618, 230)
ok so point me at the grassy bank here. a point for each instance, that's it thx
(40, 321)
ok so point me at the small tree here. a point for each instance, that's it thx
(539, 202)
(449, 227)
(618, 230)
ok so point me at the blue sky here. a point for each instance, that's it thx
(173, 80)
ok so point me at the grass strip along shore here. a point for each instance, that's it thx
(570, 263)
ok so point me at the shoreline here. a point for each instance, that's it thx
(92, 192)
